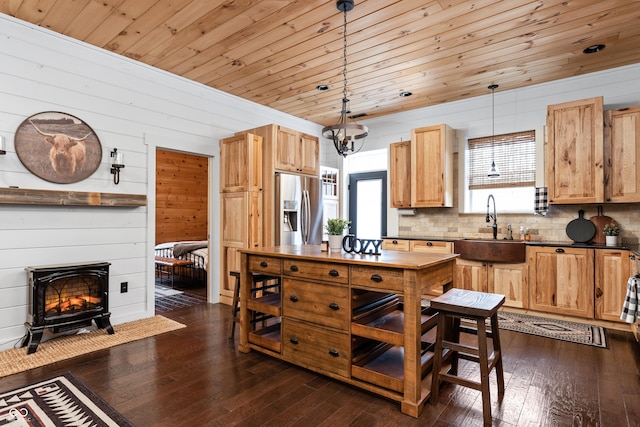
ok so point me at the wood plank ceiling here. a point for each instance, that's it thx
(275, 52)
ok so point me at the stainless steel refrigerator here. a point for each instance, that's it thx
(298, 210)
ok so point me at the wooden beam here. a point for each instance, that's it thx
(25, 196)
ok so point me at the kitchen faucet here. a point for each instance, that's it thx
(495, 217)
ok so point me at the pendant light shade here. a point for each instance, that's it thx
(343, 134)
(493, 171)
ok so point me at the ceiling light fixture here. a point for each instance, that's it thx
(405, 94)
(345, 134)
(493, 172)
(594, 48)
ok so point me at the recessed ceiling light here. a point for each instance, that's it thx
(322, 87)
(593, 49)
(404, 94)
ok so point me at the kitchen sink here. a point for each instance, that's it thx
(512, 251)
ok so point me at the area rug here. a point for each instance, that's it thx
(65, 347)
(551, 328)
(173, 302)
(60, 401)
(166, 291)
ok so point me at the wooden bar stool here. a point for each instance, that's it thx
(459, 304)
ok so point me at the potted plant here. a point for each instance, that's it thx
(611, 232)
(335, 229)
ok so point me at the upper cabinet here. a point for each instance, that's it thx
(241, 165)
(574, 152)
(400, 174)
(421, 171)
(622, 155)
(296, 152)
(432, 166)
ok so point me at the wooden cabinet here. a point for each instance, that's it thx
(510, 280)
(400, 174)
(574, 148)
(241, 163)
(296, 152)
(240, 204)
(622, 155)
(432, 166)
(421, 171)
(611, 274)
(561, 280)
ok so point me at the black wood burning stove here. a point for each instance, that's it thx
(66, 297)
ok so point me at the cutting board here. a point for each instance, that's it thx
(600, 221)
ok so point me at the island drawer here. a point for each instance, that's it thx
(380, 278)
(265, 265)
(326, 305)
(314, 347)
(316, 270)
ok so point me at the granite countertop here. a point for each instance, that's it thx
(633, 248)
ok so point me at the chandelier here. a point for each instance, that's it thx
(345, 134)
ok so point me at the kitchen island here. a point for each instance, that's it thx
(353, 317)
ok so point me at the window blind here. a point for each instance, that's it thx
(515, 157)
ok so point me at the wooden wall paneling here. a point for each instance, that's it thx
(181, 196)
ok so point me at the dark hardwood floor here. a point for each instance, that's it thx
(196, 377)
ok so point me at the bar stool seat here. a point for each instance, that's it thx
(454, 305)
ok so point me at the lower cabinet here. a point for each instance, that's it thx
(561, 280)
(510, 280)
(611, 275)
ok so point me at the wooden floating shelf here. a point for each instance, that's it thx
(25, 196)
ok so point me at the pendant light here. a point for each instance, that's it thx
(345, 134)
(493, 172)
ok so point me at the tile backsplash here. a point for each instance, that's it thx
(448, 223)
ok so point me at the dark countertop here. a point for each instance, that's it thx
(633, 248)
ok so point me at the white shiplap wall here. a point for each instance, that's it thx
(130, 106)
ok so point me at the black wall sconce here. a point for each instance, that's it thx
(118, 163)
(2, 148)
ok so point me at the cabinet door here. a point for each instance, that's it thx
(309, 155)
(622, 155)
(432, 166)
(471, 275)
(512, 281)
(241, 163)
(561, 280)
(400, 174)
(287, 150)
(574, 152)
(612, 269)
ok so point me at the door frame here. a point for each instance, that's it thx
(353, 197)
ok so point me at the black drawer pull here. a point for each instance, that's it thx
(395, 242)
(293, 268)
(293, 340)
(560, 250)
(376, 278)
(429, 244)
(334, 353)
(334, 306)
(334, 273)
(263, 264)
(293, 298)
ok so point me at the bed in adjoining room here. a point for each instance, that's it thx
(196, 252)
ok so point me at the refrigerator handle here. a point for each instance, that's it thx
(305, 217)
